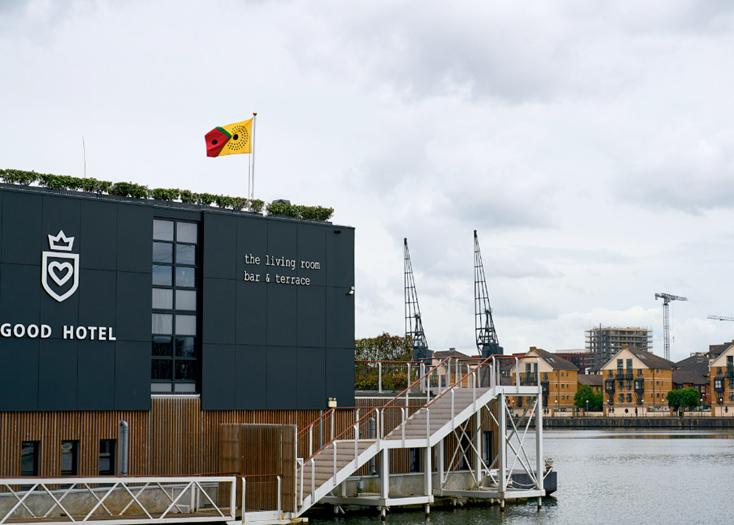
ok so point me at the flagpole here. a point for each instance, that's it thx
(254, 122)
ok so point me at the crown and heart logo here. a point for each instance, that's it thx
(59, 266)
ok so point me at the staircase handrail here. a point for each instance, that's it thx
(458, 382)
(373, 409)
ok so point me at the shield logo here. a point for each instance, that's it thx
(59, 268)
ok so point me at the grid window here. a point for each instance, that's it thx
(29, 451)
(107, 449)
(175, 351)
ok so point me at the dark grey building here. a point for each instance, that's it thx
(105, 301)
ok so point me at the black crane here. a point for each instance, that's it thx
(413, 323)
(486, 335)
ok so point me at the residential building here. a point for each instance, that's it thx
(596, 382)
(558, 378)
(722, 382)
(691, 379)
(636, 381)
(580, 358)
(604, 342)
(698, 363)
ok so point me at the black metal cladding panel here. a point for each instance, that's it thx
(57, 314)
(220, 252)
(311, 385)
(20, 292)
(282, 374)
(19, 375)
(339, 318)
(60, 213)
(97, 298)
(57, 375)
(96, 384)
(134, 307)
(340, 375)
(251, 374)
(134, 238)
(21, 222)
(283, 240)
(340, 257)
(312, 316)
(218, 377)
(282, 315)
(132, 375)
(99, 234)
(1, 225)
(312, 252)
(251, 318)
(218, 311)
(252, 239)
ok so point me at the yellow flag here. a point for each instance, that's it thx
(237, 138)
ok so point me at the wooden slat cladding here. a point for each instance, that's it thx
(260, 452)
(174, 438)
(88, 428)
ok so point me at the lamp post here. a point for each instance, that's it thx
(587, 407)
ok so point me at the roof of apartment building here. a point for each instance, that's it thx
(651, 360)
(591, 380)
(716, 350)
(688, 377)
(696, 363)
(648, 359)
(556, 362)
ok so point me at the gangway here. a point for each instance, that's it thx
(456, 409)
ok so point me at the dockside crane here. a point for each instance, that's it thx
(413, 323)
(666, 297)
(486, 335)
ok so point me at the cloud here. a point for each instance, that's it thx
(684, 172)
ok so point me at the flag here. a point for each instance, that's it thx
(228, 140)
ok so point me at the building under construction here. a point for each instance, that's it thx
(603, 342)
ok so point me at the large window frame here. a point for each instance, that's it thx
(175, 299)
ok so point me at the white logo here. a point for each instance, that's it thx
(60, 267)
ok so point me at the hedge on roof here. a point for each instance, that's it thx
(137, 191)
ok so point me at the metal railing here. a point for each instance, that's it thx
(118, 499)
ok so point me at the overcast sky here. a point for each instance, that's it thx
(590, 144)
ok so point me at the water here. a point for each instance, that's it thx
(665, 476)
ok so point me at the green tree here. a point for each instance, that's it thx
(685, 397)
(586, 393)
(384, 347)
(673, 397)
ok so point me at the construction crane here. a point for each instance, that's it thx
(413, 323)
(486, 336)
(666, 297)
(719, 318)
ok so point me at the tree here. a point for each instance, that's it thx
(685, 397)
(586, 393)
(384, 347)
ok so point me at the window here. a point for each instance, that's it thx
(731, 396)
(175, 345)
(629, 363)
(29, 452)
(416, 458)
(629, 398)
(69, 458)
(107, 465)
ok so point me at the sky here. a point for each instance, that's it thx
(590, 144)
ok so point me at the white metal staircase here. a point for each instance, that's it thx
(428, 426)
